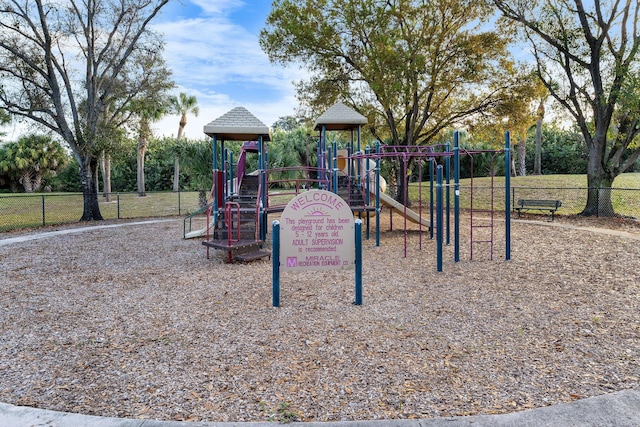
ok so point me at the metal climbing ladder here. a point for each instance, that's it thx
(482, 221)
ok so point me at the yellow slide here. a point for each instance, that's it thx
(412, 215)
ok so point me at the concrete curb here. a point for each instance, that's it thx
(620, 409)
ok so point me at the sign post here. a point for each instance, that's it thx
(316, 232)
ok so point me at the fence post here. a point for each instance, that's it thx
(358, 262)
(598, 202)
(507, 192)
(118, 203)
(439, 219)
(275, 264)
(43, 212)
(179, 212)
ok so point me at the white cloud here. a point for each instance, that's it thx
(217, 6)
(221, 63)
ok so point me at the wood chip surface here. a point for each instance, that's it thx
(135, 322)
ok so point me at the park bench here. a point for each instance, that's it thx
(539, 205)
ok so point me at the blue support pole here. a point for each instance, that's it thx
(447, 178)
(214, 149)
(359, 165)
(232, 190)
(456, 196)
(358, 261)
(507, 195)
(439, 218)
(275, 262)
(367, 201)
(225, 172)
(323, 184)
(432, 176)
(378, 193)
(262, 219)
(223, 169)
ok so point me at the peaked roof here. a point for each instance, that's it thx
(340, 117)
(237, 125)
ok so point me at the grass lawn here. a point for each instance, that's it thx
(570, 189)
(29, 210)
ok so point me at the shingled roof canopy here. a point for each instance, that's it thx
(237, 125)
(340, 117)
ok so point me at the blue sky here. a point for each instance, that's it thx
(212, 48)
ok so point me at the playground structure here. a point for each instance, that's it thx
(240, 202)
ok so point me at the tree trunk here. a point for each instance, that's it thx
(599, 182)
(176, 175)
(537, 163)
(598, 197)
(522, 156)
(142, 149)
(37, 182)
(25, 180)
(88, 167)
(96, 175)
(176, 162)
(105, 165)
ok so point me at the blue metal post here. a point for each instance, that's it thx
(214, 149)
(232, 190)
(225, 173)
(377, 193)
(432, 176)
(358, 261)
(322, 167)
(275, 262)
(439, 218)
(359, 165)
(456, 196)
(507, 195)
(447, 179)
(262, 166)
(367, 200)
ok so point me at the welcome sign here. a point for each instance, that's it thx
(317, 233)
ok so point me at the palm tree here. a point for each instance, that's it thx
(182, 105)
(31, 160)
(146, 111)
(199, 167)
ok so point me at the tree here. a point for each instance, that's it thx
(61, 63)
(182, 105)
(286, 124)
(414, 68)
(537, 166)
(198, 166)
(147, 110)
(31, 160)
(4, 119)
(288, 151)
(587, 57)
(563, 150)
(516, 112)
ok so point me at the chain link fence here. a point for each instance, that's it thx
(625, 202)
(25, 211)
(29, 210)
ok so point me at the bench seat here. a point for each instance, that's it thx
(542, 205)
